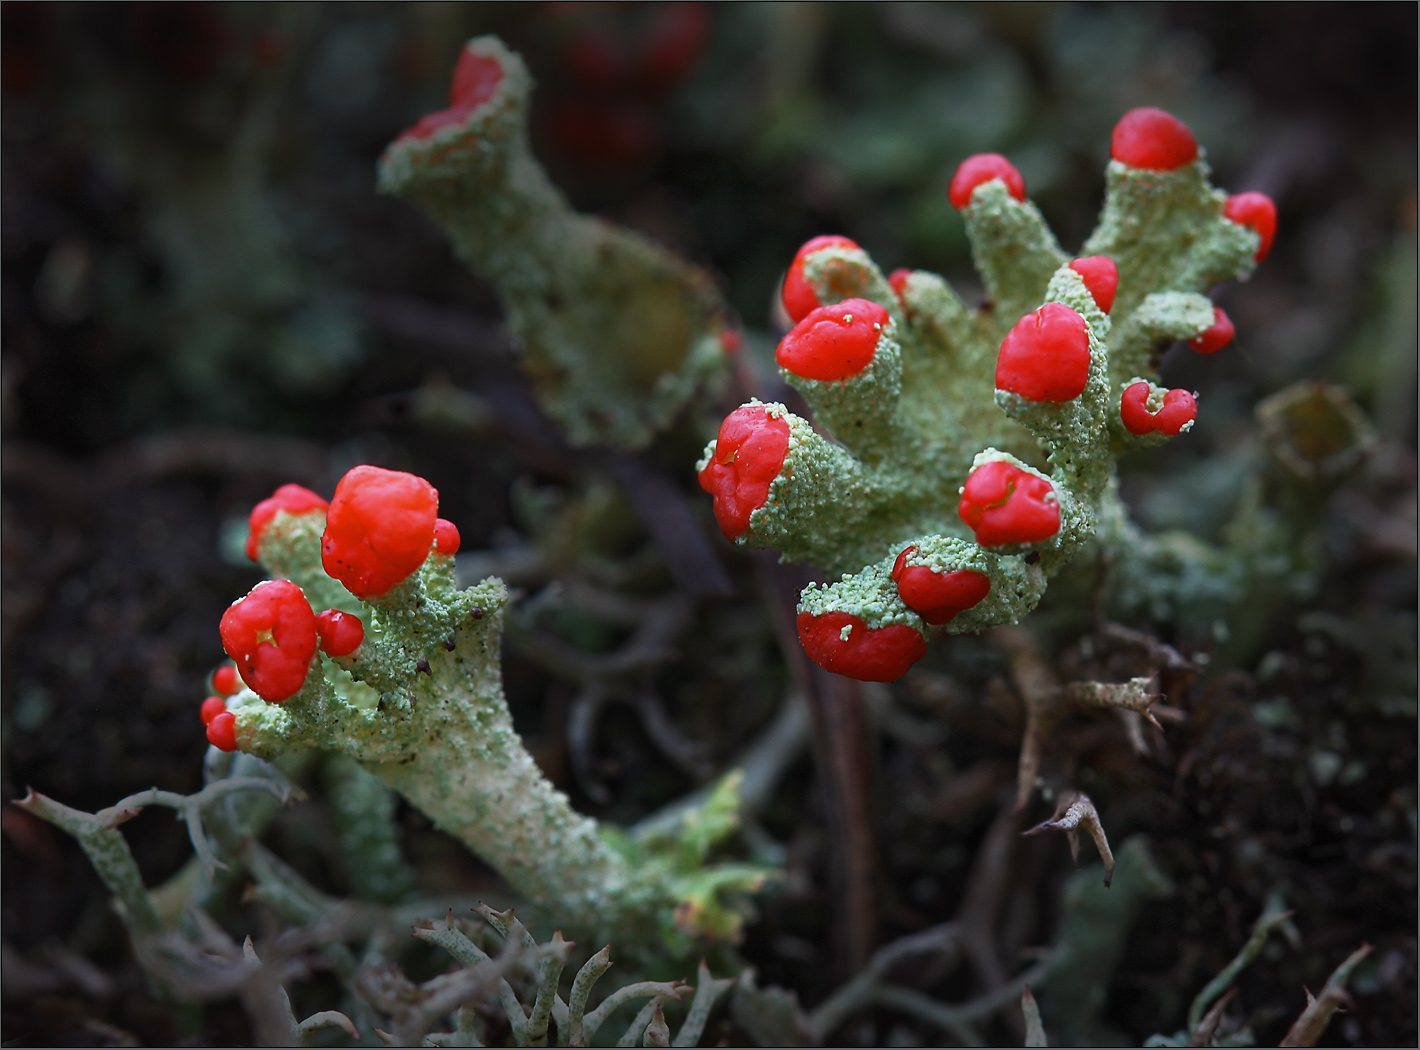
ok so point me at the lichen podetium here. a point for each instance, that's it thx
(615, 333)
(419, 702)
(981, 441)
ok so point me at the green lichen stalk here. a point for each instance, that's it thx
(420, 704)
(875, 489)
(615, 332)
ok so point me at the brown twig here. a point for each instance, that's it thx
(662, 508)
(985, 891)
(1312, 1021)
(1035, 1029)
(1075, 811)
(1202, 1033)
(1039, 689)
(841, 747)
(841, 739)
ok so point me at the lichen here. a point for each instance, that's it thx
(884, 468)
(420, 705)
(615, 333)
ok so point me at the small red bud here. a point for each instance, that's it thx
(881, 654)
(222, 732)
(1257, 212)
(293, 499)
(1004, 504)
(1101, 277)
(675, 38)
(225, 681)
(1215, 337)
(749, 453)
(1179, 409)
(446, 537)
(211, 708)
(938, 596)
(980, 169)
(476, 80)
(268, 47)
(597, 59)
(271, 634)
(379, 529)
(799, 298)
(730, 340)
(834, 342)
(340, 633)
(1150, 138)
(898, 282)
(1046, 356)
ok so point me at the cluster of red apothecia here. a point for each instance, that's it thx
(1044, 358)
(380, 526)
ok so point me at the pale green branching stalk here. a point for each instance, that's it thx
(574, 1024)
(615, 333)
(420, 704)
(949, 393)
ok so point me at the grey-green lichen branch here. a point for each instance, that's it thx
(615, 333)
(420, 704)
(193, 958)
(882, 471)
(550, 1019)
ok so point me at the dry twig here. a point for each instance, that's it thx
(1312, 1021)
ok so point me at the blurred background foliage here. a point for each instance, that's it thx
(203, 297)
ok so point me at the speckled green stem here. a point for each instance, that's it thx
(615, 332)
(444, 739)
(909, 429)
(420, 704)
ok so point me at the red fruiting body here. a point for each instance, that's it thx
(730, 340)
(612, 60)
(446, 537)
(476, 79)
(25, 36)
(222, 732)
(1046, 356)
(881, 654)
(340, 633)
(378, 530)
(1005, 504)
(598, 59)
(1101, 277)
(186, 41)
(211, 708)
(673, 41)
(749, 454)
(1150, 138)
(293, 499)
(834, 342)
(1216, 336)
(982, 168)
(1257, 212)
(268, 47)
(937, 596)
(799, 299)
(605, 132)
(271, 634)
(225, 681)
(898, 281)
(1179, 409)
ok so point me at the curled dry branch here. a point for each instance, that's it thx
(1312, 1021)
(1076, 811)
